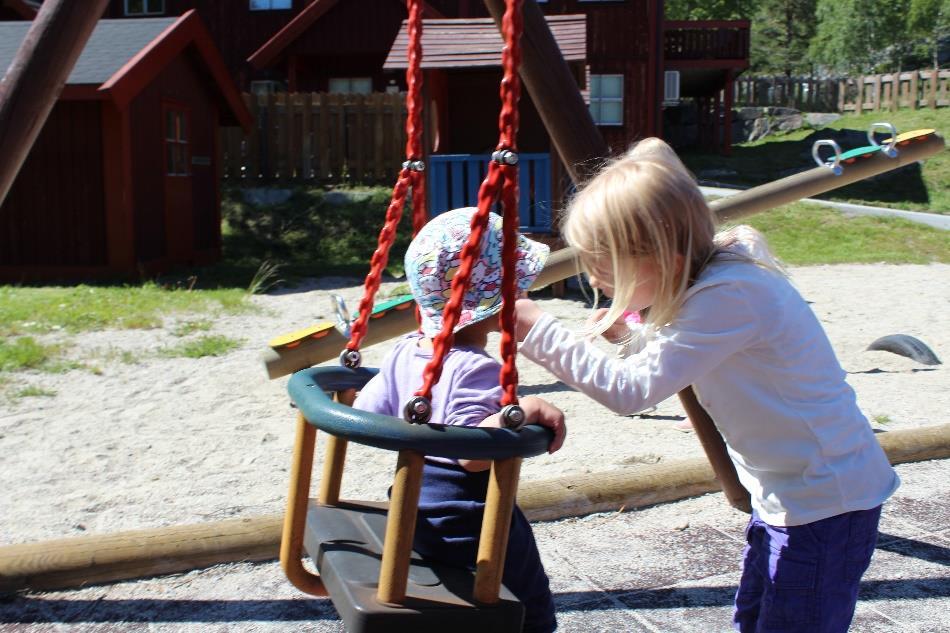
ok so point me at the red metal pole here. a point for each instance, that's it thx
(37, 76)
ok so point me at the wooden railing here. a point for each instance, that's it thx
(706, 39)
(892, 91)
(318, 137)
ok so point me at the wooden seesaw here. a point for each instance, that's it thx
(86, 560)
(322, 342)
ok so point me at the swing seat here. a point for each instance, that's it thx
(346, 543)
(347, 540)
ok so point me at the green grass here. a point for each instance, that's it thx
(24, 353)
(27, 310)
(802, 234)
(190, 327)
(213, 345)
(305, 236)
(33, 392)
(923, 188)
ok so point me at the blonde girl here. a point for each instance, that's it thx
(721, 316)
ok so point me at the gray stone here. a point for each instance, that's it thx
(788, 123)
(761, 127)
(821, 119)
(748, 114)
(339, 197)
(264, 196)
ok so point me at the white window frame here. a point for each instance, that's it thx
(596, 100)
(145, 11)
(270, 5)
(350, 81)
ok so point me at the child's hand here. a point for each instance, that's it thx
(617, 332)
(538, 411)
(527, 313)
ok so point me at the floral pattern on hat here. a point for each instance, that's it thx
(434, 258)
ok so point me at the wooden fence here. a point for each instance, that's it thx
(912, 89)
(318, 137)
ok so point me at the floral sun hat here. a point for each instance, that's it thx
(435, 255)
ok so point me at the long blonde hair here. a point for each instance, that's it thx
(644, 204)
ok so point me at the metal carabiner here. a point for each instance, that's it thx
(835, 165)
(890, 149)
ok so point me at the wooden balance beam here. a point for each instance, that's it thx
(88, 560)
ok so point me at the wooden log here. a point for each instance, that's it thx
(36, 77)
(86, 560)
(554, 93)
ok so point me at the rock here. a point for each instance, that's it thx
(338, 197)
(264, 196)
(821, 119)
(788, 123)
(761, 127)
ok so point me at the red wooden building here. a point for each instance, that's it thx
(122, 179)
(17, 10)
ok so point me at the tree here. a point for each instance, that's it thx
(927, 22)
(860, 36)
(781, 33)
(709, 9)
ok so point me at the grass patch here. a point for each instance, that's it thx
(25, 310)
(190, 327)
(25, 353)
(883, 420)
(212, 345)
(802, 234)
(33, 392)
(313, 233)
(919, 187)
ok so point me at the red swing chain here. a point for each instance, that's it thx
(501, 181)
(411, 176)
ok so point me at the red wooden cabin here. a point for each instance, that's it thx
(122, 180)
(17, 10)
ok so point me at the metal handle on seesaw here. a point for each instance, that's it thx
(834, 165)
(890, 148)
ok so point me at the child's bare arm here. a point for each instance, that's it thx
(537, 411)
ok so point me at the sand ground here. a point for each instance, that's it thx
(166, 441)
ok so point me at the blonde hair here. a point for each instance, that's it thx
(644, 204)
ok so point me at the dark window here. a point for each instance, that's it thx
(144, 7)
(176, 142)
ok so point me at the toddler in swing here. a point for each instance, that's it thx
(720, 315)
(468, 393)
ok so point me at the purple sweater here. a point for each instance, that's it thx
(467, 393)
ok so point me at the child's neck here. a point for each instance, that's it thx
(475, 335)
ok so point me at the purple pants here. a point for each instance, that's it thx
(804, 578)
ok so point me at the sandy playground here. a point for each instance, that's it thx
(167, 441)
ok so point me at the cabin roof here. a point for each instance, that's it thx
(476, 42)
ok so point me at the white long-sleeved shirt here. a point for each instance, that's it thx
(766, 373)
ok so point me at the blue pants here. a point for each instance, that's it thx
(451, 505)
(804, 578)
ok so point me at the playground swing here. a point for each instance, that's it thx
(363, 552)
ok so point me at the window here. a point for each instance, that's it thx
(671, 87)
(606, 99)
(354, 85)
(271, 5)
(176, 141)
(144, 7)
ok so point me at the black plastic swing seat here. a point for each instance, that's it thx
(346, 543)
(346, 540)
